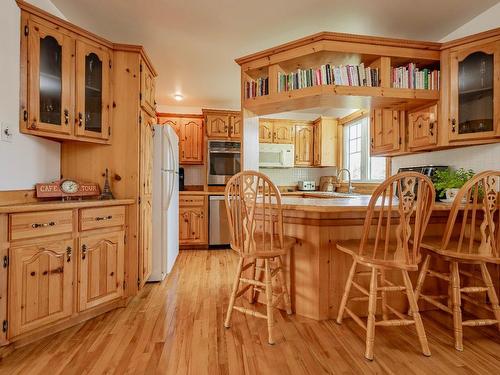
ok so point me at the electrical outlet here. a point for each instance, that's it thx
(6, 132)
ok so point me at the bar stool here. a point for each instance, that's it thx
(471, 237)
(255, 219)
(397, 216)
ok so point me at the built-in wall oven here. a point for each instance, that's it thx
(224, 161)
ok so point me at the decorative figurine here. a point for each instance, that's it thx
(106, 190)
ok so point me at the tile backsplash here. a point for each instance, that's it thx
(477, 158)
(290, 176)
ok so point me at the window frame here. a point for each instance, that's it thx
(365, 150)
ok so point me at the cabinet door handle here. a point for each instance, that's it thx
(84, 251)
(453, 125)
(80, 119)
(66, 116)
(431, 128)
(43, 225)
(69, 252)
(100, 218)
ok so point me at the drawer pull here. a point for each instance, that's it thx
(100, 218)
(84, 251)
(43, 225)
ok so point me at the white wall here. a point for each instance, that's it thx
(27, 159)
(478, 158)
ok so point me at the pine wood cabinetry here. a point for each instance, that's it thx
(193, 220)
(422, 128)
(304, 145)
(100, 268)
(276, 131)
(148, 89)
(386, 131)
(222, 124)
(265, 131)
(325, 142)
(70, 261)
(192, 141)
(41, 288)
(190, 130)
(65, 81)
(475, 92)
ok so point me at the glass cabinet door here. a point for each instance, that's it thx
(92, 71)
(473, 93)
(49, 76)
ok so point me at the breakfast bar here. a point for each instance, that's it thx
(317, 270)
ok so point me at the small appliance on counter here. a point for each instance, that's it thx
(327, 183)
(307, 185)
(181, 179)
(428, 170)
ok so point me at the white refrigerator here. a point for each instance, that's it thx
(165, 201)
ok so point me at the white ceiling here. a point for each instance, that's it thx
(193, 44)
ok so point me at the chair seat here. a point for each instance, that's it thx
(276, 250)
(351, 247)
(434, 243)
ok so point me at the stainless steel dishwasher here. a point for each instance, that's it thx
(218, 226)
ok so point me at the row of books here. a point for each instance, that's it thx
(256, 88)
(345, 75)
(411, 77)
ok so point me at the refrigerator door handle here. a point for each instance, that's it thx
(172, 182)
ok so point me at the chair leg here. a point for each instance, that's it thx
(284, 289)
(456, 303)
(236, 285)
(419, 326)
(384, 295)
(253, 294)
(372, 309)
(269, 302)
(347, 290)
(421, 279)
(492, 294)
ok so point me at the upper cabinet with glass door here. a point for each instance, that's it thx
(475, 93)
(65, 83)
(50, 81)
(92, 90)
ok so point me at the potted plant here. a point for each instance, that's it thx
(448, 182)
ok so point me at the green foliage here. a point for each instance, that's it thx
(449, 179)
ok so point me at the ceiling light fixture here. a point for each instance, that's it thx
(178, 97)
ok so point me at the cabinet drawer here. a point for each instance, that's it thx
(102, 217)
(38, 224)
(191, 200)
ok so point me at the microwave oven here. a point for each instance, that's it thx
(276, 155)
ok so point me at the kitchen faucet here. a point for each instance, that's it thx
(348, 175)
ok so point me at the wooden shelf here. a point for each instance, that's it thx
(340, 97)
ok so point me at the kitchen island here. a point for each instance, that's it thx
(317, 271)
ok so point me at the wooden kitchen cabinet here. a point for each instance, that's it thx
(92, 90)
(100, 265)
(65, 83)
(148, 89)
(41, 288)
(386, 131)
(265, 131)
(146, 198)
(193, 220)
(475, 93)
(276, 131)
(191, 141)
(173, 122)
(422, 128)
(325, 142)
(304, 145)
(223, 124)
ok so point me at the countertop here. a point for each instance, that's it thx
(60, 205)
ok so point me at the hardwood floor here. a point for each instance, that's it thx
(177, 328)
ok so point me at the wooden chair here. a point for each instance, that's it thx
(397, 216)
(255, 219)
(471, 237)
